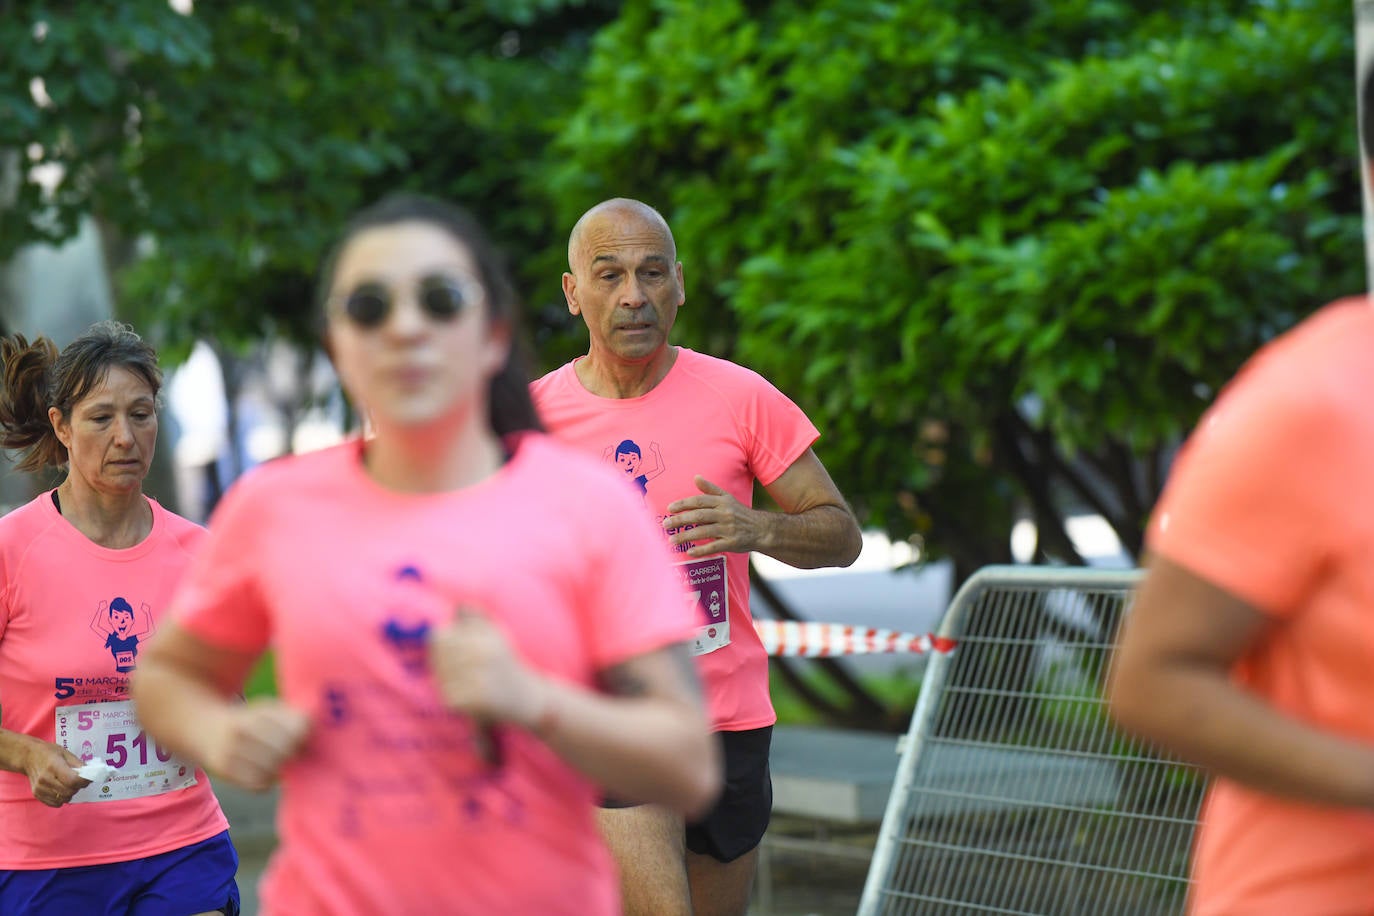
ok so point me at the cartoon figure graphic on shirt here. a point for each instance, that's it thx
(479, 790)
(629, 458)
(409, 638)
(115, 621)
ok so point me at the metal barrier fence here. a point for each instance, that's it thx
(1015, 794)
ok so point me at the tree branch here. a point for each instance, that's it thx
(1072, 477)
(1120, 469)
(1048, 518)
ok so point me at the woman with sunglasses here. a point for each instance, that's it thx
(144, 833)
(476, 630)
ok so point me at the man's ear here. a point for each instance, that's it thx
(570, 293)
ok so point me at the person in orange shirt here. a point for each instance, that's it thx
(1250, 647)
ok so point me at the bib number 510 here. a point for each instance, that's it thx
(119, 753)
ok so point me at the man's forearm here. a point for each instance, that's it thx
(819, 536)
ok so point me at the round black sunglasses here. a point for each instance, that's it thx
(441, 298)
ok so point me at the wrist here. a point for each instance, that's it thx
(36, 753)
(767, 533)
(544, 723)
(208, 735)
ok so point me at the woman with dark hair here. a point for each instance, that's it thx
(468, 654)
(142, 831)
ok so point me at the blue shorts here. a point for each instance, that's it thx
(194, 879)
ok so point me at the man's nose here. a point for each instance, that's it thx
(634, 295)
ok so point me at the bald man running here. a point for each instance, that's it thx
(713, 428)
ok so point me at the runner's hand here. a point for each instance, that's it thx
(51, 769)
(722, 523)
(252, 742)
(481, 675)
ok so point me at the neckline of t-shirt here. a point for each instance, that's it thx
(117, 554)
(516, 447)
(674, 372)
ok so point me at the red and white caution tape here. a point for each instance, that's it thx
(805, 639)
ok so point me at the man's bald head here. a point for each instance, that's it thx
(617, 210)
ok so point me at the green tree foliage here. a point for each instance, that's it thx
(237, 139)
(1004, 253)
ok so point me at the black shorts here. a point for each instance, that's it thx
(740, 817)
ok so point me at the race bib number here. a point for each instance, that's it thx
(706, 591)
(110, 732)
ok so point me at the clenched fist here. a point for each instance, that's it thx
(481, 675)
(250, 743)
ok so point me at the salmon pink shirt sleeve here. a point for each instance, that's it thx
(775, 432)
(220, 601)
(1253, 500)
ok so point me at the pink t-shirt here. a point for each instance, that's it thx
(708, 417)
(1272, 500)
(389, 809)
(73, 618)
